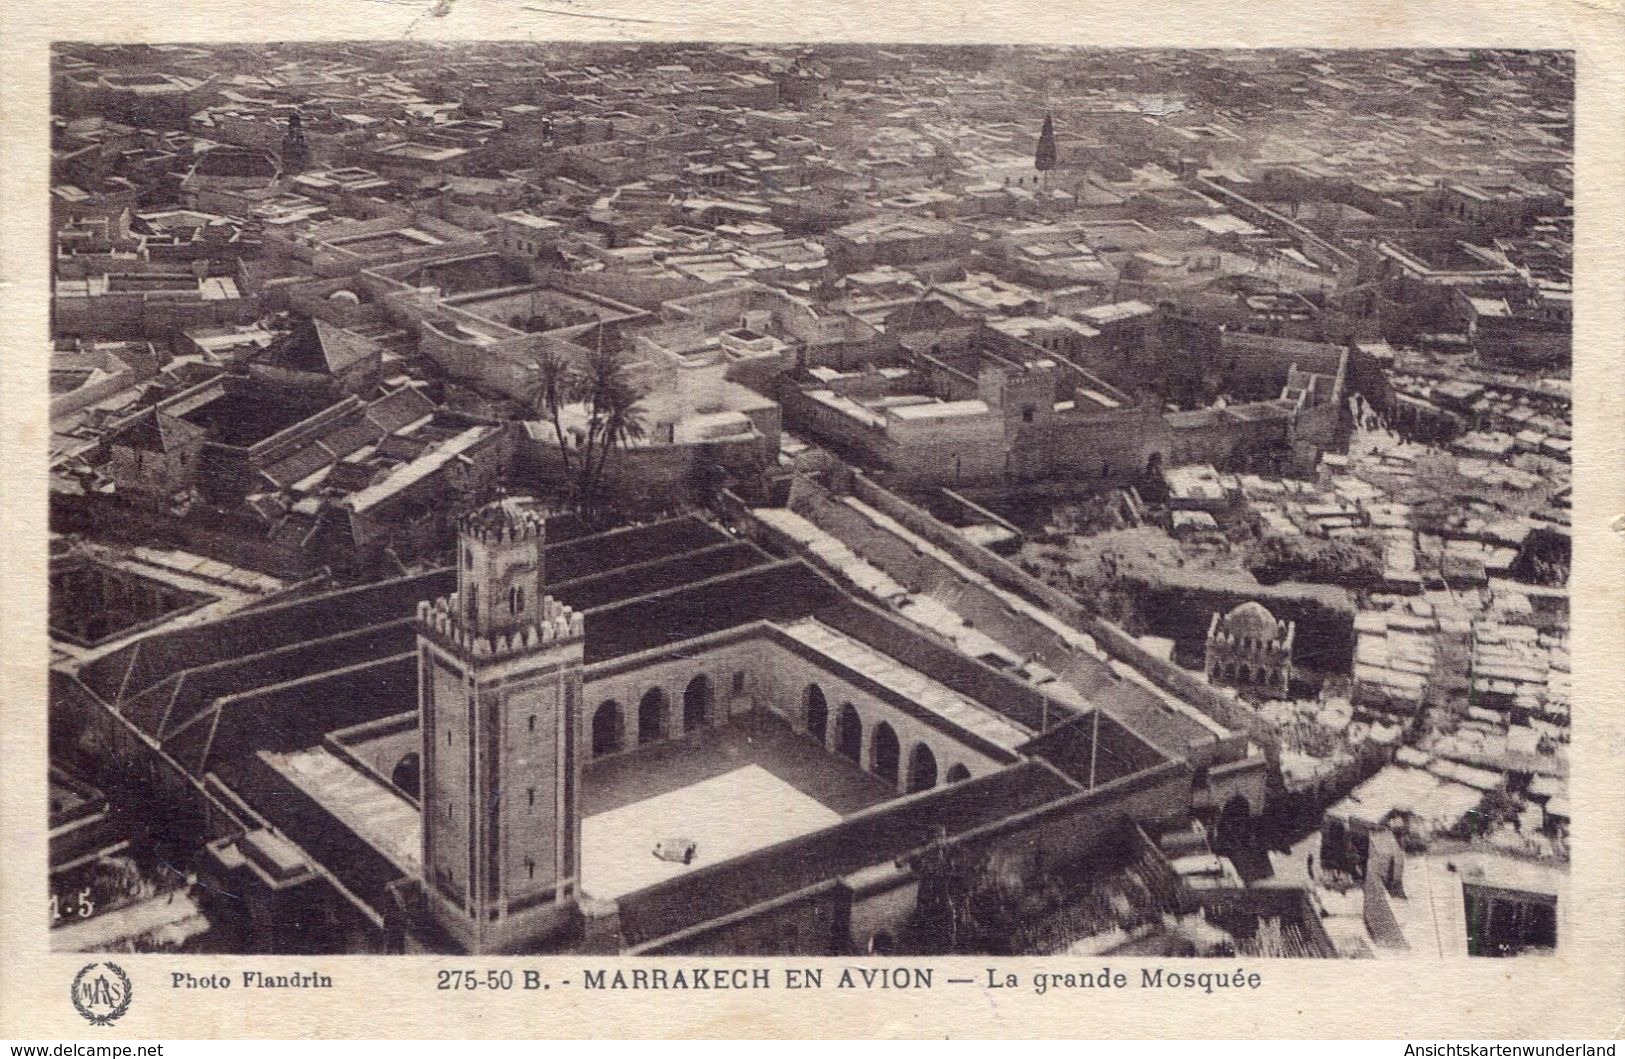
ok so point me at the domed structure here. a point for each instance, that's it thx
(345, 297)
(1249, 649)
(1250, 619)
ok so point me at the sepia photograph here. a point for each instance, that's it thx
(664, 499)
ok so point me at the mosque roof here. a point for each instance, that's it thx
(279, 677)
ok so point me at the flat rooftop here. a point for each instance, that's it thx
(422, 151)
(461, 275)
(1433, 914)
(380, 817)
(888, 672)
(400, 239)
(940, 409)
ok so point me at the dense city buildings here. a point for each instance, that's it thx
(657, 498)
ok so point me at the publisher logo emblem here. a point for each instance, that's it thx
(101, 992)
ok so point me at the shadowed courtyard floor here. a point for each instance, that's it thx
(756, 739)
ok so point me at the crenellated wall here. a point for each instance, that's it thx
(556, 624)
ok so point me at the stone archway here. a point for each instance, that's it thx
(815, 712)
(922, 768)
(1234, 824)
(652, 710)
(607, 732)
(958, 774)
(884, 753)
(697, 703)
(849, 734)
(408, 774)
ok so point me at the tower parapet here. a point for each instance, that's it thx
(555, 623)
(507, 521)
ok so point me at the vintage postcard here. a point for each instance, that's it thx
(952, 520)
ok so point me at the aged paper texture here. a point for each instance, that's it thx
(751, 520)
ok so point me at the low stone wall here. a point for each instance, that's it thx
(1113, 640)
(1379, 916)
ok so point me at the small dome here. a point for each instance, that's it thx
(1251, 619)
(348, 297)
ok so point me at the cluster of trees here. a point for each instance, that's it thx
(602, 385)
(1495, 809)
(986, 903)
(970, 903)
(1352, 564)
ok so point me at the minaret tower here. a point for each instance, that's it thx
(1044, 156)
(295, 149)
(499, 694)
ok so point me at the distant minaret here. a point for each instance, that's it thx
(295, 151)
(499, 697)
(1044, 158)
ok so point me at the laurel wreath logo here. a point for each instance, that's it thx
(107, 1018)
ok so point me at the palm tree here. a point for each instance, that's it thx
(623, 427)
(613, 421)
(557, 385)
(603, 385)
